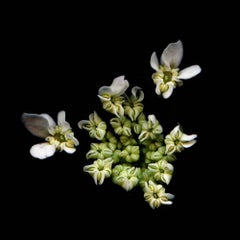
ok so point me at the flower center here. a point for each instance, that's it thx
(60, 137)
(167, 76)
(155, 195)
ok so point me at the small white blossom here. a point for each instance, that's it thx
(126, 176)
(162, 171)
(133, 107)
(95, 126)
(111, 96)
(150, 129)
(168, 75)
(155, 195)
(99, 170)
(59, 137)
(177, 140)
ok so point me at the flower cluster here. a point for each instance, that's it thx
(130, 148)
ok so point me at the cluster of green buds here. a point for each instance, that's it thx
(131, 149)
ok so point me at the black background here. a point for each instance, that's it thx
(60, 59)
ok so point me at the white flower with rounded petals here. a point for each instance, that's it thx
(167, 75)
(59, 137)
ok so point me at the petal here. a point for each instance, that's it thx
(62, 122)
(152, 118)
(187, 138)
(61, 117)
(104, 90)
(68, 149)
(71, 136)
(172, 55)
(175, 131)
(51, 122)
(36, 124)
(154, 62)
(138, 93)
(189, 72)
(42, 150)
(188, 144)
(83, 124)
(168, 93)
(166, 178)
(157, 89)
(119, 85)
(169, 195)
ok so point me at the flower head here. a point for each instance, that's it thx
(167, 75)
(59, 137)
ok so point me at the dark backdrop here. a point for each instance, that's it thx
(60, 60)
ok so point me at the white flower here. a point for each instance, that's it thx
(99, 170)
(95, 126)
(167, 75)
(150, 129)
(111, 96)
(126, 176)
(155, 195)
(177, 140)
(117, 88)
(162, 171)
(59, 137)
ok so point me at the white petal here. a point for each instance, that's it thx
(69, 150)
(175, 131)
(104, 90)
(157, 89)
(154, 62)
(168, 93)
(36, 124)
(71, 136)
(189, 72)
(62, 121)
(119, 85)
(172, 55)
(51, 122)
(188, 144)
(152, 119)
(42, 150)
(61, 117)
(83, 123)
(138, 93)
(167, 178)
(169, 195)
(187, 138)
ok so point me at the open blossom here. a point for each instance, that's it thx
(111, 96)
(95, 126)
(99, 170)
(155, 195)
(167, 75)
(176, 141)
(59, 137)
